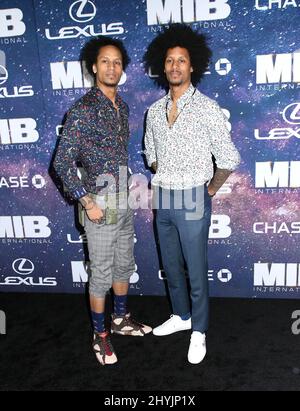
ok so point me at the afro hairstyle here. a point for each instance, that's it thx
(91, 50)
(177, 35)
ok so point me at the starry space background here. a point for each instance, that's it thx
(246, 33)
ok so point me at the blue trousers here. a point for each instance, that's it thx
(184, 239)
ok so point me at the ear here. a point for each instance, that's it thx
(94, 69)
(192, 69)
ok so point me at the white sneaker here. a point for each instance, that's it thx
(173, 325)
(197, 350)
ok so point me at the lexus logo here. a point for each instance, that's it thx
(291, 113)
(3, 75)
(82, 11)
(3, 71)
(22, 266)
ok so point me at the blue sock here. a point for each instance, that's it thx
(120, 305)
(98, 322)
(186, 317)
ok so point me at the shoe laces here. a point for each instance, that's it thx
(106, 343)
(130, 321)
(170, 319)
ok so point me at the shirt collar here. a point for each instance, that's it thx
(184, 98)
(103, 99)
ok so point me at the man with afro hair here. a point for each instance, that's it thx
(96, 133)
(184, 130)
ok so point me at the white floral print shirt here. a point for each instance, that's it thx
(183, 153)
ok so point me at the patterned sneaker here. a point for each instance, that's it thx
(125, 325)
(103, 349)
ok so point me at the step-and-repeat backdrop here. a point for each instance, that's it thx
(255, 77)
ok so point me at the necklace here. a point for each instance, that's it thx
(172, 121)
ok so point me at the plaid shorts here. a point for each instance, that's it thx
(110, 249)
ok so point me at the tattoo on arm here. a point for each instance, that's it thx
(219, 178)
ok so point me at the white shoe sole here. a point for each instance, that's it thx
(162, 334)
(196, 361)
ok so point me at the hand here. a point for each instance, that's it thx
(210, 190)
(95, 213)
(154, 166)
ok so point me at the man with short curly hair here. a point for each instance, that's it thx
(96, 133)
(184, 129)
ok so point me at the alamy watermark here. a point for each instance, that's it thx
(296, 323)
(2, 323)
(191, 200)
